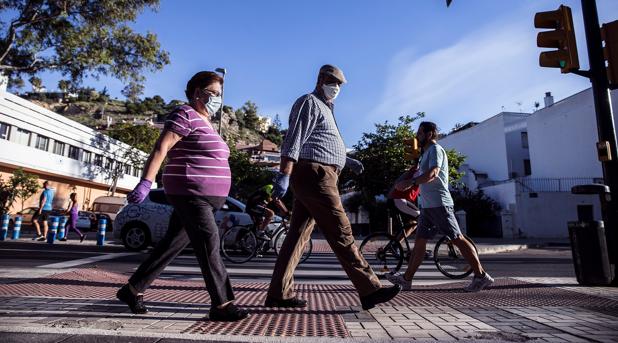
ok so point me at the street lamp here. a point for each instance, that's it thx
(222, 71)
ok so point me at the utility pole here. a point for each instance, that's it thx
(605, 120)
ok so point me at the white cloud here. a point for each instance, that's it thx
(474, 78)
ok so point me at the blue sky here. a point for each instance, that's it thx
(458, 64)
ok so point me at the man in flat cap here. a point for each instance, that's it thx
(312, 156)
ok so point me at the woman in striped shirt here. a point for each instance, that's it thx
(196, 181)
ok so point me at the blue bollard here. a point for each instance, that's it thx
(101, 234)
(63, 223)
(51, 235)
(17, 227)
(5, 226)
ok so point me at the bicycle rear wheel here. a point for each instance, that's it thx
(280, 237)
(450, 261)
(239, 244)
(383, 253)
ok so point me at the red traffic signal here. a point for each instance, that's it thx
(561, 38)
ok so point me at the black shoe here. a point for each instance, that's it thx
(135, 302)
(229, 313)
(83, 237)
(63, 239)
(293, 302)
(382, 295)
(41, 238)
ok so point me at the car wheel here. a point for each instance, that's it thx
(135, 236)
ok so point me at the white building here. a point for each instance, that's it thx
(264, 124)
(529, 162)
(73, 157)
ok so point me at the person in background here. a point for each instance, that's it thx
(260, 207)
(73, 211)
(45, 207)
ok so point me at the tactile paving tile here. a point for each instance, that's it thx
(320, 318)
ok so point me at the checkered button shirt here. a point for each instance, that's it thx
(313, 133)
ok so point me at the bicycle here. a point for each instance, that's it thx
(385, 253)
(240, 243)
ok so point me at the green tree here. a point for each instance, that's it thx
(250, 115)
(36, 83)
(20, 186)
(77, 38)
(133, 90)
(142, 137)
(246, 176)
(64, 85)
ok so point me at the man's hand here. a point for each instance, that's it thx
(282, 182)
(139, 193)
(355, 165)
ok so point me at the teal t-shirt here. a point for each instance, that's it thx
(49, 199)
(435, 193)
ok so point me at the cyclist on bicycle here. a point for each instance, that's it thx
(260, 207)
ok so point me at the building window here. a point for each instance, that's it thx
(527, 168)
(73, 152)
(136, 172)
(127, 169)
(58, 148)
(4, 131)
(98, 160)
(22, 137)
(109, 163)
(86, 156)
(524, 140)
(42, 143)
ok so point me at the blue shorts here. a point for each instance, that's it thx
(435, 220)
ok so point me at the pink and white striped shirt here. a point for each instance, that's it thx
(198, 163)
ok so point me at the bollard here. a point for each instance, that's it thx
(5, 226)
(101, 234)
(63, 223)
(17, 227)
(53, 230)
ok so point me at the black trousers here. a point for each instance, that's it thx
(193, 220)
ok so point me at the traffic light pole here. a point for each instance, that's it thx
(605, 120)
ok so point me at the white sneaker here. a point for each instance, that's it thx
(479, 283)
(398, 279)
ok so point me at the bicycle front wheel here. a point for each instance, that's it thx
(239, 244)
(450, 261)
(280, 237)
(383, 253)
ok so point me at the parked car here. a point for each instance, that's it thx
(108, 206)
(144, 224)
(27, 213)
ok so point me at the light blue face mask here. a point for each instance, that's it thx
(213, 104)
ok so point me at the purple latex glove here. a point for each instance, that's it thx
(140, 192)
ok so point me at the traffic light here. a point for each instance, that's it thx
(411, 151)
(562, 38)
(609, 34)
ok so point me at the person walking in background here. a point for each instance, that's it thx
(46, 201)
(196, 181)
(73, 211)
(437, 215)
(312, 156)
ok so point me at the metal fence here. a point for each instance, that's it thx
(537, 185)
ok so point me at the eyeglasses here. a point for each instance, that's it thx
(210, 93)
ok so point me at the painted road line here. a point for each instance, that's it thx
(73, 263)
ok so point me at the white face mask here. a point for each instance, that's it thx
(331, 91)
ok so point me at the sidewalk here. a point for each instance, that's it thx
(82, 302)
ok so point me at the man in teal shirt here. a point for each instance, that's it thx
(437, 215)
(45, 207)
